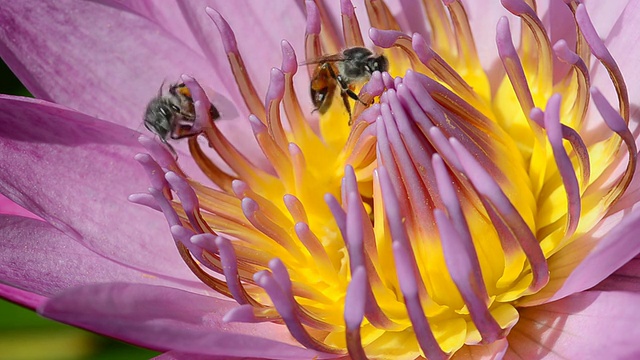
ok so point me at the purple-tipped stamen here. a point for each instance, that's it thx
(286, 309)
(581, 104)
(487, 188)
(350, 26)
(408, 281)
(461, 256)
(601, 52)
(567, 173)
(243, 80)
(354, 308)
(617, 124)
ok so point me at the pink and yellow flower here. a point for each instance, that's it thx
(481, 206)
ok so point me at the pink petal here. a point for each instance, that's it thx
(176, 355)
(168, 319)
(621, 41)
(37, 258)
(606, 14)
(9, 207)
(578, 266)
(21, 297)
(627, 278)
(483, 17)
(76, 172)
(165, 14)
(274, 21)
(587, 325)
(94, 58)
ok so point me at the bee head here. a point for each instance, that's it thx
(378, 63)
(159, 116)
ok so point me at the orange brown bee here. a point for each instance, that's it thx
(345, 70)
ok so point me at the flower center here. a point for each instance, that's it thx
(421, 227)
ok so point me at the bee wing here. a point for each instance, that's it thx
(225, 107)
(324, 59)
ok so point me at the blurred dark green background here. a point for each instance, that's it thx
(26, 336)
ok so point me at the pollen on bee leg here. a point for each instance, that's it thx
(243, 80)
(204, 123)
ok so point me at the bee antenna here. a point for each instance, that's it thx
(161, 86)
(165, 142)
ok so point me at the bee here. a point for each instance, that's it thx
(172, 115)
(345, 70)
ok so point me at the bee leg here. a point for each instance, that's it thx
(354, 96)
(166, 143)
(344, 88)
(183, 132)
(345, 101)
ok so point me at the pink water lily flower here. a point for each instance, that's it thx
(474, 199)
